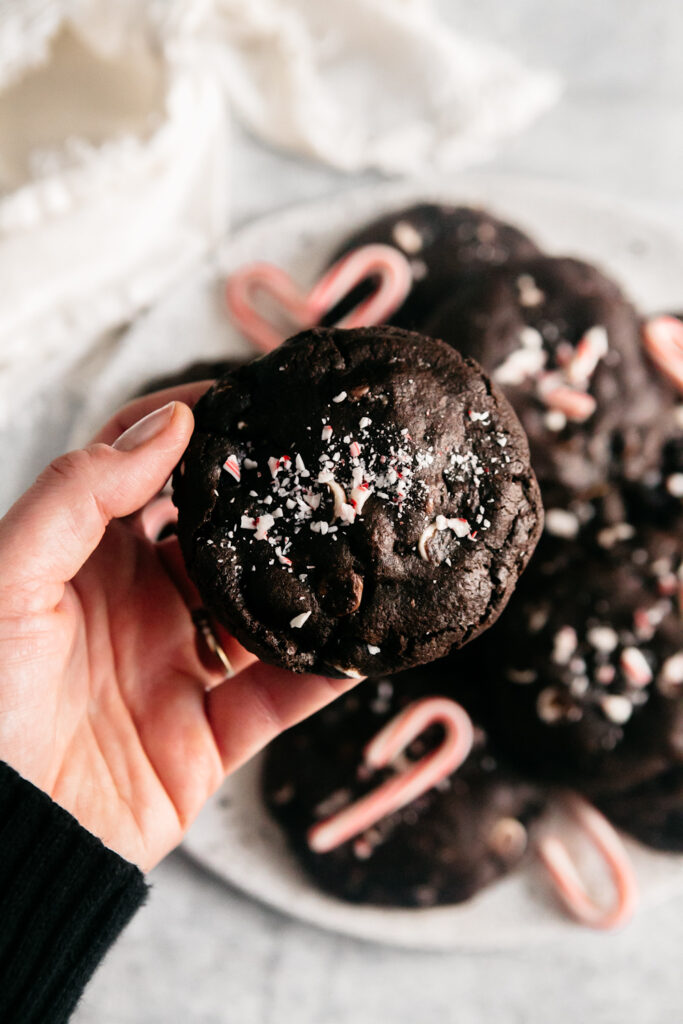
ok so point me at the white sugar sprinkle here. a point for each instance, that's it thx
(407, 237)
(616, 707)
(674, 485)
(555, 420)
(561, 523)
(602, 638)
(564, 644)
(298, 620)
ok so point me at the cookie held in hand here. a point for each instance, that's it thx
(356, 502)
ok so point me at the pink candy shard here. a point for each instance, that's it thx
(305, 310)
(232, 466)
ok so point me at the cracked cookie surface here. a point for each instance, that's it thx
(356, 502)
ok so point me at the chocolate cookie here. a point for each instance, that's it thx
(441, 848)
(584, 672)
(445, 245)
(356, 501)
(565, 345)
(651, 811)
(657, 495)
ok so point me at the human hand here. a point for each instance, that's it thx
(107, 702)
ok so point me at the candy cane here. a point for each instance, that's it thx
(568, 883)
(405, 787)
(663, 340)
(592, 347)
(305, 310)
(576, 405)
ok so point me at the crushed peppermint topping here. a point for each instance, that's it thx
(674, 485)
(555, 420)
(670, 679)
(611, 535)
(529, 292)
(232, 466)
(520, 365)
(407, 236)
(298, 620)
(603, 638)
(561, 523)
(617, 707)
(565, 643)
(287, 494)
(635, 666)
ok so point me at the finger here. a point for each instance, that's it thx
(52, 530)
(238, 656)
(149, 522)
(136, 410)
(247, 712)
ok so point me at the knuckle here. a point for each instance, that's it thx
(71, 466)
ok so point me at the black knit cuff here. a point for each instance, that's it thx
(64, 898)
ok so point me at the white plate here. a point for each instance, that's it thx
(233, 836)
(191, 323)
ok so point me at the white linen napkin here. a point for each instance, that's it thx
(114, 138)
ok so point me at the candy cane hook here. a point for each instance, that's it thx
(396, 792)
(305, 310)
(568, 883)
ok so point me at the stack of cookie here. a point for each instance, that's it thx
(580, 683)
(362, 502)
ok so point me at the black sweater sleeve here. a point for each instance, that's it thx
(64, 898)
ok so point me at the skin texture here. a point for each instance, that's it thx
(560, 299)
(104, 701)
(441, 848)
(376, 604)
(446, 245)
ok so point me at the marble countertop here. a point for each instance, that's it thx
(202, 952)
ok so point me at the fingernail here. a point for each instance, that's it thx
(145, 429)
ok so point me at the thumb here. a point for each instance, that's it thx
(56, 525)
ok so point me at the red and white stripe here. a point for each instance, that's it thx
(569, 884)
(408, 785)
(592, 347)
(232, 466)
(663, 340)
(251, 282)
(576, 405)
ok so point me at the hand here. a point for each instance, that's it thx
(105, 699)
